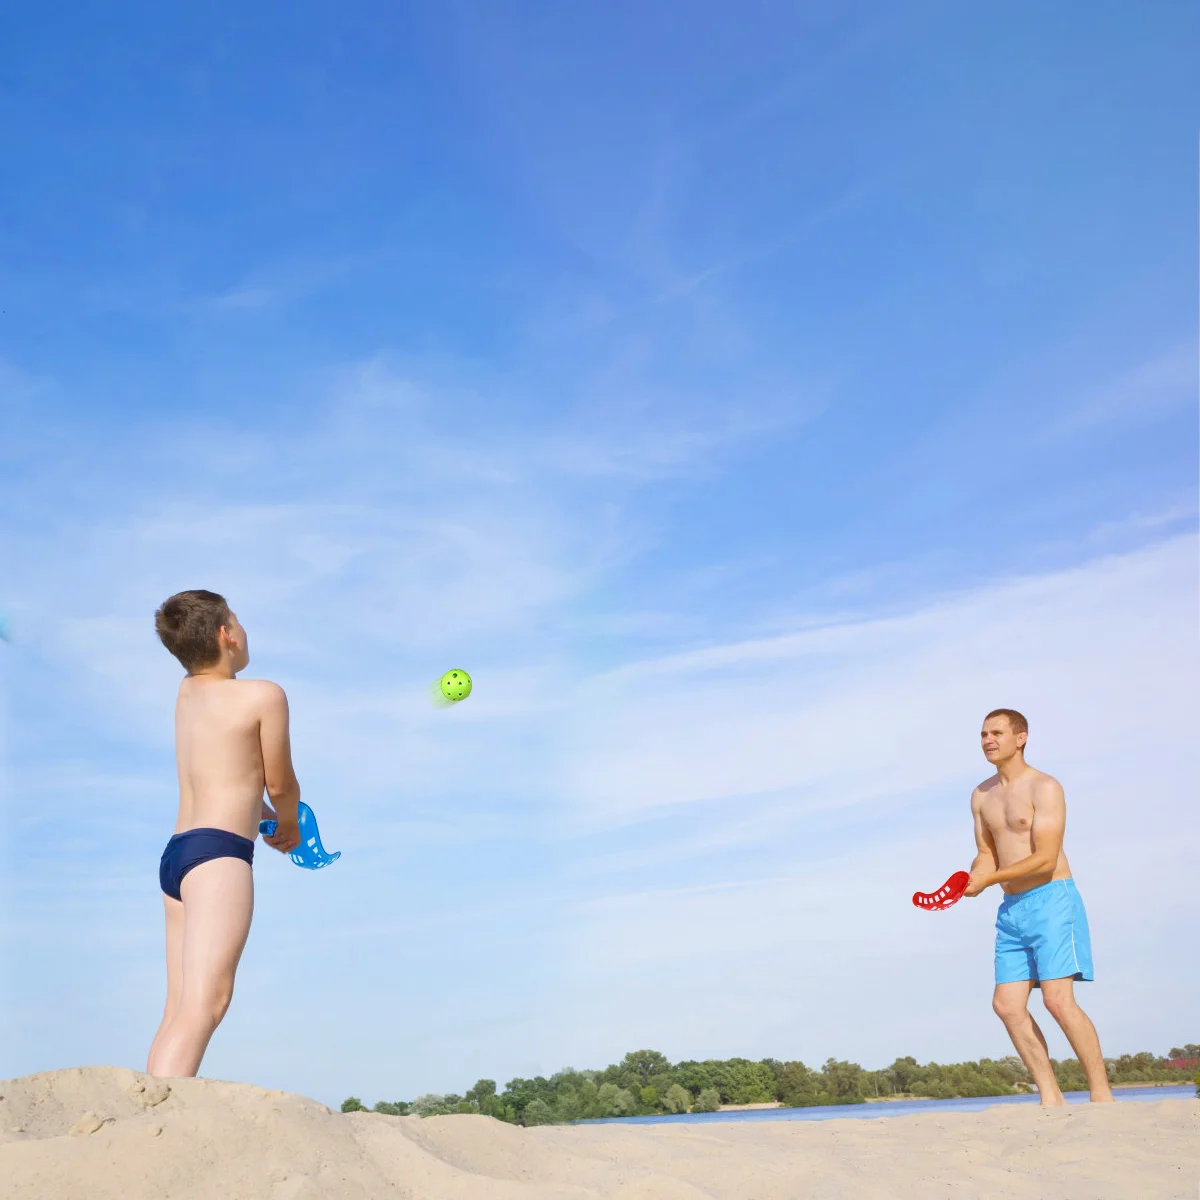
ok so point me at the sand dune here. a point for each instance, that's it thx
(102, 1132)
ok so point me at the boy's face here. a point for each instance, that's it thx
(237, 641)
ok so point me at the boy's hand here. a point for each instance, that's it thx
(286, 836)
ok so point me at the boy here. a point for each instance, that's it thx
(231, 742)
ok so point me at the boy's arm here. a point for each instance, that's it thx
(279, 776)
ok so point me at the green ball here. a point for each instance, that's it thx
(456, 685)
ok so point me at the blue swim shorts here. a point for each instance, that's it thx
(1043, 934)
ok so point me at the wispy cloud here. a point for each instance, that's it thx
(845, 701)
(248, 296)
(1149, 390)
(282, 283)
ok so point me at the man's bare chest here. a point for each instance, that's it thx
(1008, 813)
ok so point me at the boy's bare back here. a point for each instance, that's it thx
(230, 746)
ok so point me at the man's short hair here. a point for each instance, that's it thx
(188, 624)
(1016, 721)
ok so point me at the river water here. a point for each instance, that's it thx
(890, 1108)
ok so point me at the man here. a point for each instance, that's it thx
(231, 742)
(1041, 929)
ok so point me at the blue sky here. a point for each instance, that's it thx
(749, 400)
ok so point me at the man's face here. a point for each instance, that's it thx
(998, 740)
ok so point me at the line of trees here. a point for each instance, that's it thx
(645, 1082)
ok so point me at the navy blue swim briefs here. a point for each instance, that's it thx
(195, 846)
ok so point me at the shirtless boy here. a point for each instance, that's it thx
(231, 743)
(1041, 929)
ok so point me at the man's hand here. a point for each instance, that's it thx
(978, 881)
(286, 836)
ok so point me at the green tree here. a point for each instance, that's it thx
(774, 1066)
(567, 1105)
(709, 1100)
(1070, 1075)
(694, 1076)
(589, 1099)
(353, 1104)
(650, 1097)
(741, 1081)
(614, 1101)
(567, 1077)
(843, 1081)
(677, 1099)
(520, 1092)
(482, 1094)
(906, 1072)
(932, 1087)
(537, 1112)
(797, 1086)
(398, 1109)
(641, 1064)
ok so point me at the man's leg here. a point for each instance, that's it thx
(1058, 995)
(1011, 1002)
(218, 902)
(174, 919)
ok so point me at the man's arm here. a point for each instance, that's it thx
(279, 776)
(986, 859)
(1049, 825)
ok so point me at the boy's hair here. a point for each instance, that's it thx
(188, 624)
(1016, 722)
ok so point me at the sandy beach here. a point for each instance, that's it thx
(107, 1132)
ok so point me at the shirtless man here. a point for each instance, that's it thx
(231, 742)
(1041, 929)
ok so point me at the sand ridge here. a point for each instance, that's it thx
(107, 1132)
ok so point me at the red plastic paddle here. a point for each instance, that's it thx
(949, 893)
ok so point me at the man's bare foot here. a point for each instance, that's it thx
(1104, 1097)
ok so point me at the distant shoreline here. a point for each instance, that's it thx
(899, 1097)
(1154, 1083)
(1158, 1083)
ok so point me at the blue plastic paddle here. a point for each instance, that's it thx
(310, 853)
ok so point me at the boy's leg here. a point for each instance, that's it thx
(218, 902)
(173, 910)
(1011, 1002)
(1058, 995)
